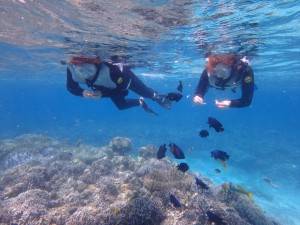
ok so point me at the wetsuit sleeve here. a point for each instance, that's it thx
(203, 84)
(247, 90)
(73, 86)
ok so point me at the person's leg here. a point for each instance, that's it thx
(122, 103)
(138, 86)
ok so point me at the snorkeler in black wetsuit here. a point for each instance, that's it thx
(226, 71)
(109, 80)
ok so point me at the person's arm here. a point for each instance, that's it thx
(203, 84)
(247, 90)
(201, 89)
(72, 86)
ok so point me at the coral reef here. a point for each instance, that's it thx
(44, 181)
(148, 152)
(120, 145)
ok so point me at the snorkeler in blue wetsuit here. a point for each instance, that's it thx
(226, 71)
(113, 80)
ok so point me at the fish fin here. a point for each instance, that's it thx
(224, 164)
(63, 62)
(250, 195)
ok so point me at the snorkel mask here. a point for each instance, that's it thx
(85, 67)
(221, 71)
(220, 74)
(85, 71)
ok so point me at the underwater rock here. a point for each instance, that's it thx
(111, 189)
(150, 166)
(120, 145)
(107, 188)
(23, 178)
(98, 169)
(137, 211)
(26, 148)
(84, 216)
(147, 152)
(243, 205)
(4, 215)
(160, 183)
(65, 156)
(123, 163)
(28, 206)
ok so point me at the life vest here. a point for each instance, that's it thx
(103, 78)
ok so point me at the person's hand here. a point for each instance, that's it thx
(92, 94)
(198, 100)
(222, 104)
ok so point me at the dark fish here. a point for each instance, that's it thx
(78, 142)
(215, 124)
(174, 96)
(183, 167)
(217, 170)
(176, 151)
(180, 86)
(201, 184)
(161, 153)
(214, 218)
(63, 62)
(270, 182)
(175, 202)
(203, 133)
(220, 155)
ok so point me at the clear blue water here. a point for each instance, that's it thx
(263, 140)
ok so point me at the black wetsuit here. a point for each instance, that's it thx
(124, 80)
(243, 74)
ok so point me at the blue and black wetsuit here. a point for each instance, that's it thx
(241, 74)
(124, 80)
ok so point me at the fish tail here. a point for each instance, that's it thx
(250, 195)
(224, 164)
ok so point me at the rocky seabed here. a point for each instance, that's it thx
(44, 181)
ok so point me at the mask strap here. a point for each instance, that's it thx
(90, 83)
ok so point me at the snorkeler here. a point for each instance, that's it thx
(226, 71)
(113, 80)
